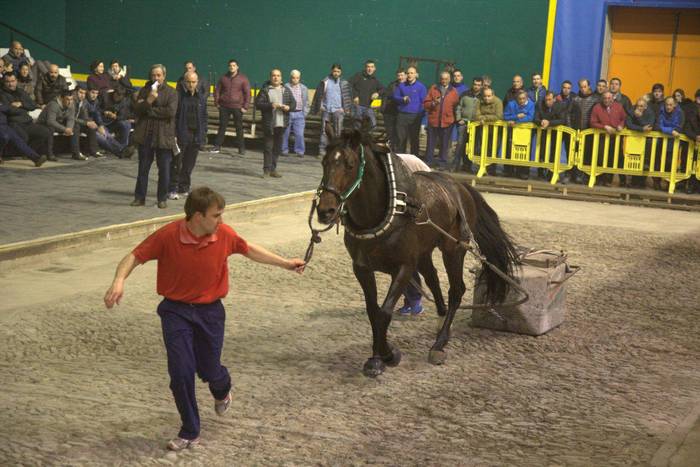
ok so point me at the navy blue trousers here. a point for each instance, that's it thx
(146, 156)
(9, 135)
(193, 337)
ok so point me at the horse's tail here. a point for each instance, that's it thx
(495, 245)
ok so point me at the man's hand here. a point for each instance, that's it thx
(511, 123)
(152, 96)
(544, 124)
(92, 125)
(620, 127)
(68, 132)
(675, 134)
(101, 130)
(114, 294)
(647, 128)
(356, 100)
(296, 264)
(697, 139)
(375, 95)
(16, 104)
(520, 115)
(610, 130)
(285, 108)
(109, 114)
(406, 99)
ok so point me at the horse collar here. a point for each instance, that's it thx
(397, 205)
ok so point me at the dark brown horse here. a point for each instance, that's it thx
(384, 208)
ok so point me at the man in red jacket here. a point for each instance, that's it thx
(440, 103)
(231, 97)
(610, 116)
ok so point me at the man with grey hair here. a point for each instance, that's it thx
(297, 115)
(155, 107)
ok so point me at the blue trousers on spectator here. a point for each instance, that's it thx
(361, 111)
(438, 135)
(121, 130)
(9, 135)
(109, 143)
(412, 295)
(297, 123)
(193, 337)
(146, 156)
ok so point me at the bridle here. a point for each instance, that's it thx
(324, 186)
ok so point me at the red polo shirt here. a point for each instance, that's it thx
(191, 269)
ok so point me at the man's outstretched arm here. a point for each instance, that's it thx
(116, 291)
(261, 255)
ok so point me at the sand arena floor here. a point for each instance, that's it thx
(85, 386)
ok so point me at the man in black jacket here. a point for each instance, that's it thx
(49, 86)
(390, 109)
(274, 101)
(365, 88)
(550, 113)
(19, 119)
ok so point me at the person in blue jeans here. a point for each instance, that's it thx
(297, 115)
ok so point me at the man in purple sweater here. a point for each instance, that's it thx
(231, 97)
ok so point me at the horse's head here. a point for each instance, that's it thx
(343, 168)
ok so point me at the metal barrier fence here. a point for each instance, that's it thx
(561, 148)
(522, 145)
(626, 152)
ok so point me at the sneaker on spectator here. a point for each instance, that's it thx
(215, 150)
(183, 194)
(178, 444)
(37, 163)
(173, 195)
(275, 174)
(52, 158)
(162, 204)
(405, 310)
(266, 174)
(138, 202)
(221, 406)
(99, 154)
(79, 157)
(417, 309)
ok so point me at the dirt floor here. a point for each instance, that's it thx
(81, 385)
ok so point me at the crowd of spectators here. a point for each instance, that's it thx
(118, 118)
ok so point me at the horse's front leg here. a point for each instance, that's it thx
(382, 352)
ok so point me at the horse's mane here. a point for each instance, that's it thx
(359, 132)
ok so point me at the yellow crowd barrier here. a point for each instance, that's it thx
(627, 152)
(593, 151)
(522, 145)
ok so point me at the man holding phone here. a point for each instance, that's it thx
(155, 108)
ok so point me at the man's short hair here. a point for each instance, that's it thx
(336, 65)
(201, 199)
(657, 86)
(189, 61)
(113, 61)
(369, 60)
(566, 81)
(618, 80)
(601, 80)
(478, 79)
(232, 60)
(295, 72)
(158, 65)
(94, 64)
(548, 93)
(412, 66)
(400, 70)
(584, 80)
(92, 87)
(520, 93)
(535, 73)
(671, 98)
(66, 93)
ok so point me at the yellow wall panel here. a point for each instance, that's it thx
(686, 75)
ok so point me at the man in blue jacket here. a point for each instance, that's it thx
(520, 110)
(409, 96)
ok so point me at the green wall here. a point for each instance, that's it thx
(483, 36)
(45, 20)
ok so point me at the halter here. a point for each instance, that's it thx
(342, 197)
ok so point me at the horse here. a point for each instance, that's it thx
(381, 203)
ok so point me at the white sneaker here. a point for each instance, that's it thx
(173, 195)
(220, 407)
(178, 444)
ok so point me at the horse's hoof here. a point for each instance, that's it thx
(394, 359)
(373, 367)
(437, 357)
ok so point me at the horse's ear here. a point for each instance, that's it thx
(366, 124)
(330, 133)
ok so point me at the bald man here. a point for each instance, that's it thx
(50, 86)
